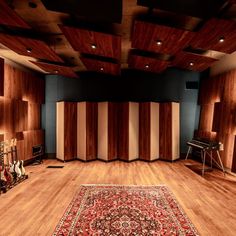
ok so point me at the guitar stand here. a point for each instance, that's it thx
(203, 157)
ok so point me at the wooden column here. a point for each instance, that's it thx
(107, 131)
(87, 122)
(149, 131)
(66, 130)
(169, 131)
(128, 131)
(1, 77)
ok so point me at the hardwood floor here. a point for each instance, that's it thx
(35, 206)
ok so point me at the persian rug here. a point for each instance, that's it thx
(124, 210)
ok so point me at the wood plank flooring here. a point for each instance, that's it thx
(35, 206)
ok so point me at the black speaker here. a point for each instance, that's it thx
(191, 85)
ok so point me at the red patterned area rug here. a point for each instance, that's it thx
(124, 210)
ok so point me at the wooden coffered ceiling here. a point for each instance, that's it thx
(163, 33)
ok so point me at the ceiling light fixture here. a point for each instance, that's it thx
(93, 46)
(29, 50)
(159, 42)
(222, 39)
(56, 71)
(32, 5)
(101, 69)
(147, 66)
(191, 63)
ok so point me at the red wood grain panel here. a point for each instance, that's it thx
(20, 115)
(91, 130)
(9, 17)
(145, 36)
(147, 63)
(165, 131)
(107, 45)
(200, 63)
(211, 136)
(1, 77)
(211, 90)
(229, 94)
(38, 49)
(208, 36)
(20, 146)
(56, 69)
(206, 117)
(8, 116)
(1, 116)
(144, 130)
(123, 131)
(101, 66)
(112, 131)
(34, 116)
(234, 157)
(13, 82)
(70, 136)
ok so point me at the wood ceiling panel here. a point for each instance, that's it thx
(29, 47)
(146, 35)
(107, 45)
(56, 69)
(147, 63)
(200, 63)
(208, 37)
(101, 66)
(10, 18)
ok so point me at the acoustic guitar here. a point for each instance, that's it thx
(7, 173)
(16, 162)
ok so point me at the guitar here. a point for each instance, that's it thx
(16, 162)
(3, 181)
(7, 173)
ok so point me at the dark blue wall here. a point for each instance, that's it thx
(131, 86)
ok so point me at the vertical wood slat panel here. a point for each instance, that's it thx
(112, 131)
(70, 135)
(91, 130)
(165, 131)
(1, 77)
(144, 130)
(20, 115)
(123, 131)
(1, 116)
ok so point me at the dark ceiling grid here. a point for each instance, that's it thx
(56, 69)
(165, 28)
(191, 61)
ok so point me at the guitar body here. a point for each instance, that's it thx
(17, 168)
(8, 176)
(22, 167)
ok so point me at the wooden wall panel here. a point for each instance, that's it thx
(1, 77)
(34, 116)
(112, 131)
(91, 130)
(211, 90)
(8, 116)
(1, 116)
(206, 117)
(144, 130)
(229, 94)
(211, 136)
(70, 135)
(20, 115)
(165, 133)
(123, 131)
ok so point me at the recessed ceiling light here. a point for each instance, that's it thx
(147, 66)
(93, 46)
(159, 42)
(101, 69)
(191, 63)
(56, 71)
(222, 39)
(29, 50)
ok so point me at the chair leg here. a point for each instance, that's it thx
(221, 164)
(203, 163)
(188, 153)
